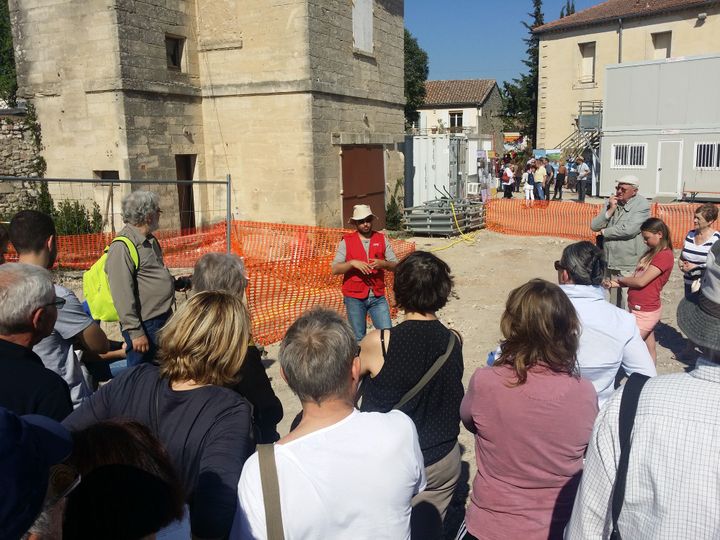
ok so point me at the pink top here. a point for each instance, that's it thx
(529, 447)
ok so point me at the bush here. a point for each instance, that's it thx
(73, 218)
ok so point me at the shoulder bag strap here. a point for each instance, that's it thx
(628, 408)
(271, 491)
(429, 374)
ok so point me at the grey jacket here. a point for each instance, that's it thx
(143, 294)
(623, 243)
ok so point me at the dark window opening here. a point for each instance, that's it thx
(185, 166)
(174, 51)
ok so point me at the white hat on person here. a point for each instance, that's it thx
(361, 211)
(630, 180)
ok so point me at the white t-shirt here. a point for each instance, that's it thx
(56, 350)
(352, 480)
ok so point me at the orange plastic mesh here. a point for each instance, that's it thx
(288, 265)
(572, 220)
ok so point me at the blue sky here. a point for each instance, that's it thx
(476, 39)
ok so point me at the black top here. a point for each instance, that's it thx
(207, 432)
(414, 347)
(28, 387)
(255, 386)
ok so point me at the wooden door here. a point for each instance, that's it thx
(363, 176)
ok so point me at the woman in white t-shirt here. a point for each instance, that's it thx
(529, 183)
(508, 180)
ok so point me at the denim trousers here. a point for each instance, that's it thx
(358, 310)
(151, 328)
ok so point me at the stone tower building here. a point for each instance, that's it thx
(300, 101)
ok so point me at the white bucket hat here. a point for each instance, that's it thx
(361, 211)
(630, 180)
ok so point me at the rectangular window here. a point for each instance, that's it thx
(661, 45)
(362, 19)
(629, 156)
(174, 46)
(456, 121)
(707, 156)
(587, 62)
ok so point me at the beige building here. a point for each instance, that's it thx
(472, 107)
(301, 101)
(575, 50)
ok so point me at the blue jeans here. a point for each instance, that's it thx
(357, 311)
(541, 193)
(151, 328)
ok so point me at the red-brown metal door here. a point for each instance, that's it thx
(363, 174)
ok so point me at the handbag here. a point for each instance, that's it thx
(628, 408)
(270, 491)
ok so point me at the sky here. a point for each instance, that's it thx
(476, 39)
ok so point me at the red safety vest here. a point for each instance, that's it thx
(355, 283)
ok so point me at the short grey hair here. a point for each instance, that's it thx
(585, 263)
(138, 206)
(316, 354)
(220, 272)
(23, 289)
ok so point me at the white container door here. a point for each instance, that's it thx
(669, 167)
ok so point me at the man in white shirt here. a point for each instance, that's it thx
(672, 485)
(610, 337)
(583, 178)
(342, 473)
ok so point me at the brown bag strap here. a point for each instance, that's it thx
(271, 491)
(429, 374)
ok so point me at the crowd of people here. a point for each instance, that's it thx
(540, 178)
(183, 442)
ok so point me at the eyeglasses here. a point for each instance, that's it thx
(366, 220)
(63, 480)
(624, 189)
(58, 303)
(558, 266)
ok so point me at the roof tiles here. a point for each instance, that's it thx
(614, 9)
(466, 92)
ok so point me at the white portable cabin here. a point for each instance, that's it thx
(439, 167)
(661, 123)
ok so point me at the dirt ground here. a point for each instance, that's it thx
(485, 271)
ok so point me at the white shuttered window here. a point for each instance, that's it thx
(707, 156)
(362, 18)
(629, 156)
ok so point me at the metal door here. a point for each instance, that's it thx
(669, 167)
(363, 177)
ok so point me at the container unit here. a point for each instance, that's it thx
(439, 167)
(661, 123)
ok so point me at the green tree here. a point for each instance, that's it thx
(521, 95)
(416, 73)
(8, 78)
(567, 9)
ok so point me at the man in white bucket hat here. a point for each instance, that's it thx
(363, 256)
(671, 479)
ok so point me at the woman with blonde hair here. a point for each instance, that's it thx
(187, 403)
(650, 276)
(532, 416)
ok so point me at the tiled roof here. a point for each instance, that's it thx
(469, 92)
(614, 9)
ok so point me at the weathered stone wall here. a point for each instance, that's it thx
(490, 122)
(17, 158)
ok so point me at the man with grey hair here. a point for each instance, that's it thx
(619, 227)
(143, 294)
(670, 455)
(28, 310)
(226, 272)
(610, 337)
(342, 473)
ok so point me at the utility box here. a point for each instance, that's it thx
(661, 123)
(439, 168)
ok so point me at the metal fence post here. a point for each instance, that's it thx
(228, 215)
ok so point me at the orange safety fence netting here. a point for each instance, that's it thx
(572, 220)
(288, 265)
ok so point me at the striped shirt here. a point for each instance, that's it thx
(673, 478)
(695, 254)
